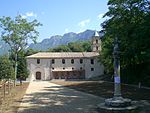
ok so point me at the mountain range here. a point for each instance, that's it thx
(53, 41)
(62, 40)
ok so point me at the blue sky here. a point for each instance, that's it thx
(58, 16)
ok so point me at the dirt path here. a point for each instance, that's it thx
(46, 97)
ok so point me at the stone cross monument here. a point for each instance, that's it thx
(117, 102)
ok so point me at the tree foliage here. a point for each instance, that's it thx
(30, 52)
(22, 72)
(61, 48)
(75, 47)
(6, 68)
(129, 21)
(84, 46)
(16, 33)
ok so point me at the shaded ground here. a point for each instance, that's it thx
(12, 101)
(46, 97)
(105, 90)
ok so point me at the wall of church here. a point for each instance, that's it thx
(46, 67)
(92, 70)
(42, 67)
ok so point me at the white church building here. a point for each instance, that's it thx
(66, 65)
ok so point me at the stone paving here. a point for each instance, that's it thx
(46, 97)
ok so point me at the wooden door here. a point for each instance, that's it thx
(38, 75)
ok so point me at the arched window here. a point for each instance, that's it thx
(38, 61)
(96, 41)
(97, 48)
(92, 61)
(72, 61)
(53, 61)
(63, 61)
(81, 61)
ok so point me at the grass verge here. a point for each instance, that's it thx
(12, 101)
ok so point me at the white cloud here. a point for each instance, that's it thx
(23, 16)
(81, 30)
(66, 30)
(84, 23)
(100, 16)
(29, 14)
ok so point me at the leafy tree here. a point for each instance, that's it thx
(22, 72)
(30, 52)
(75, 47)
(6, 68)
(84, 46)
(50, 50)
(61, 48)
(129, 21)
(16, 32)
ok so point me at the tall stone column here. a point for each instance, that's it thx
(117, 100)
(117, 85)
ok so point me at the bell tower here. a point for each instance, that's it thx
(96, 42)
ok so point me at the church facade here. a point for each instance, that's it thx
(66, 65)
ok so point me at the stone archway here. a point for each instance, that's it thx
(38, 75)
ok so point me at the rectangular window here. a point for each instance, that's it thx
(53, 61)
(63, 61)
(72, 61)
(81, 61)
(92, 61)
(38, 61)
(92, 69)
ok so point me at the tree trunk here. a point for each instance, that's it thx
(20, 80)
(4, 89)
